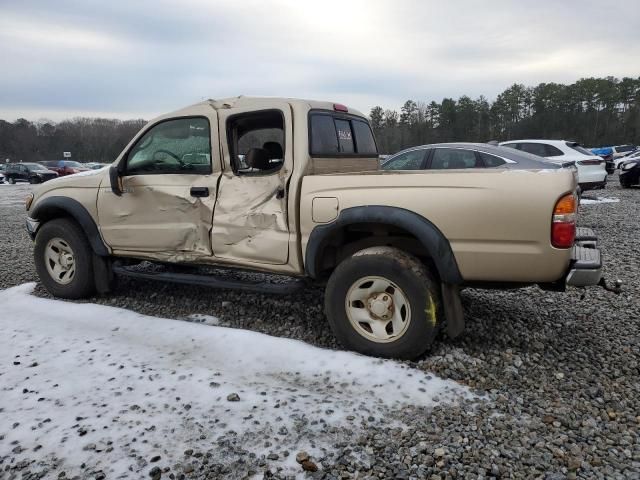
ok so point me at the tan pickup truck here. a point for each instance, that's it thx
(292, 187)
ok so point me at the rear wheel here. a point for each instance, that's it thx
(63, 259)
(383, 302)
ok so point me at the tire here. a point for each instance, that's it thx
(33, 180)
(412, 286)
(12, 180)
(53, 239)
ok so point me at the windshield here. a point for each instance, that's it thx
(73, 164)
(35, 166)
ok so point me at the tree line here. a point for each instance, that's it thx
(88, 139)
(592, 111)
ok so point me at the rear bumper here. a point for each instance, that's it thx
(585, 268)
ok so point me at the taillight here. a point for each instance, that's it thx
(563, 225)
(590, 162)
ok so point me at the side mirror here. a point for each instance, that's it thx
(114, 178)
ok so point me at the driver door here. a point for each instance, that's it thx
(169, 183)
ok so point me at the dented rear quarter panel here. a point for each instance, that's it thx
(498, 221)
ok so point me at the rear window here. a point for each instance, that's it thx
(578, 148)
(345, 136)
(491, 160)
(625, 148)
(540, 149)
(334, 135)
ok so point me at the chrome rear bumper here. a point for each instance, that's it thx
(586, 264)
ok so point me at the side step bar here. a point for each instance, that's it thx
(284, 288)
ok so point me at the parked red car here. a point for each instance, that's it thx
(64, 167)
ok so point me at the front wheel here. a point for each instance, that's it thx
(383, 302)
(63, 259)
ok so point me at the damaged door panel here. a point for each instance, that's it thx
(157, 213)
(250, 220)
(169, 179)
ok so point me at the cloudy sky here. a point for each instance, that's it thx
(140, 58)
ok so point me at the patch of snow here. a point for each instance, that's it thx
(109, 388)
(593, 201)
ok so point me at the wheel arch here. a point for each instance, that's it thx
(59, 207)
(404, 229)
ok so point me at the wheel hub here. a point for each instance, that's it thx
(378, 309)
(380, 305)
(65, 260)
(59, 260)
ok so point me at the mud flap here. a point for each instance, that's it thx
(103, 274)
(453, 313)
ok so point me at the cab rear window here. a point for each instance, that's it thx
(340, 135)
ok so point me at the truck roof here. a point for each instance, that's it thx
(249, 102)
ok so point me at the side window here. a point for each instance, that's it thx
(535, 149)
(453, 158)
(516, 146)
(256, 142)
(491, 160)
(405, 161)
(551, 151)
(173, 146)
(334, 135)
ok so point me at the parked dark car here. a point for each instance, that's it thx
(64, 167)
(630, 173)
(28, 172)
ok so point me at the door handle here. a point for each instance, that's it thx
(199, 191)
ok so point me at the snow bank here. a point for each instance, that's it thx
(75, 377)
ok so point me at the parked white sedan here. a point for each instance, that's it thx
(591, 168)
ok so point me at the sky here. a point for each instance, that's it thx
(141, 58)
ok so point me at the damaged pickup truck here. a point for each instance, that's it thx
(292, 187)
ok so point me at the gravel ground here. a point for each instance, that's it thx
(559, 370)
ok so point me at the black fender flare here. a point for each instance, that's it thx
(433, 240)
(54, 207)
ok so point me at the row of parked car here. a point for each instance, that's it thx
(591, 168)
(39, 172)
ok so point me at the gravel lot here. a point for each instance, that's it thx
(560, 372)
